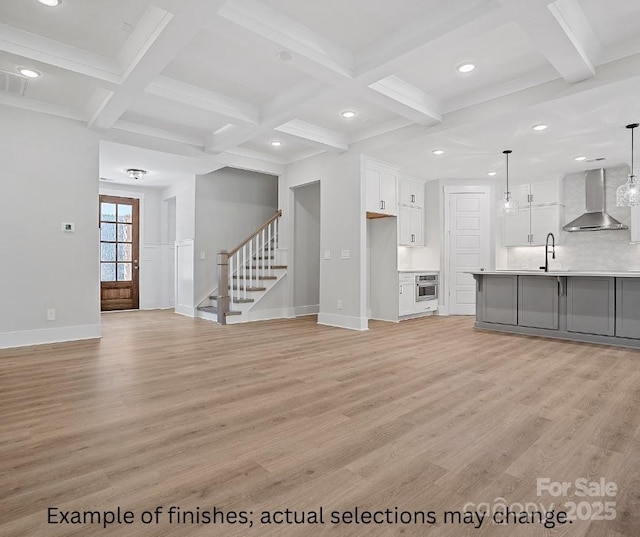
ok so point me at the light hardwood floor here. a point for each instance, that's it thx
(426, 415)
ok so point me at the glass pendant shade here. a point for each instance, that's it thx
(628, 195)
(506, 205)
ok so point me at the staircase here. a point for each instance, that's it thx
(246, 275)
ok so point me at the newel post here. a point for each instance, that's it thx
(223, 286)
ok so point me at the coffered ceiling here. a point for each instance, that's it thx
(216, 77)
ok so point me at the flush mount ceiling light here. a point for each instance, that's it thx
(438, 152)
(349, 114)
(285, 56)
(466, 67)
(50, 3)
(507, 206)
(580, 158)
(628, 195)
(276, 143)
(29, 73)
(134, 173)
(540, 127)
(491, 174)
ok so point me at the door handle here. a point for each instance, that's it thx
(135, 264)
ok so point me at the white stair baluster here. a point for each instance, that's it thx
(250, 280)
(230, 281)
(269, 250)
(244, 271)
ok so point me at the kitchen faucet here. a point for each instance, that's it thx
(546, 251)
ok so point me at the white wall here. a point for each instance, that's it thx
(342, 227)
(306, 251)
(230, 204)
(49, 175)
(592, 250)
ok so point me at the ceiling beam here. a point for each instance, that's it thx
(561, 32)
(314, 135)
(44, 50)
(313, 53)
(233, 109)
(406, 100)
(162, 36)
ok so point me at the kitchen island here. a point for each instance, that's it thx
(596, 307)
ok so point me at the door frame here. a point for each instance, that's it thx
(445, 268)
(140, 196)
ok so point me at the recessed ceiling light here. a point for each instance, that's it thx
(349, 114)
(50, 3)
(438, 151)
(276, 143)
(491, 173)
(29, 73)
(580, 158)
(539, 127)
(466, 67)
(285, 56)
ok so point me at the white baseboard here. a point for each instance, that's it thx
(343, 321)
(301, 311)
(43, 336)
(185, 310)
(260, 315)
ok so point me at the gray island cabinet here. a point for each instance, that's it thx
(581, 306)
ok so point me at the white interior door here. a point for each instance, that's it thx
(468, 247)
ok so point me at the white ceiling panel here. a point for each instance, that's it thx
(500, 55)
(355, 24)
(613, 23)
(92, 25)
(55, 86)
(233, 68)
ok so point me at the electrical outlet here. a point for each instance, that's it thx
(51, 314)
(524, 266)
(339, 304)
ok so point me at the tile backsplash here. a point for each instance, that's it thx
(592, 250)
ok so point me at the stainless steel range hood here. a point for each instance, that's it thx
(595, 219)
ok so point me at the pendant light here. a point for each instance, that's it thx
(507, 206)
(628, 194)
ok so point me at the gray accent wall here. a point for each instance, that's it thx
(592, 250)
(230, 205)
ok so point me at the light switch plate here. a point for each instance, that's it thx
(346, 254)
(203, 255)
(327, 255)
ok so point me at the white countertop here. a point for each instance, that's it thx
(604, 273)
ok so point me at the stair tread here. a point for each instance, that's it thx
(213, 309)
(255, 278)
(235, 300)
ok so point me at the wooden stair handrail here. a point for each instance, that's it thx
(277, 215)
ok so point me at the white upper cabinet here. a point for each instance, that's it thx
(540, 212)
(411, 226)
(381, 187)
(411, 192)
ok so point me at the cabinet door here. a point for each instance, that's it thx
(545, 192)
(545, 220)
(411, 193)
(373, 190)
(520, 193)
(417, 225)
(516, 228)
(590, 305)
(628, 307)
(538, 302)
(635, 223)
(498, 299)
(404, 224)
(388, 196)
(407, 298)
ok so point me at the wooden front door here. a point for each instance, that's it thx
(119, 249)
